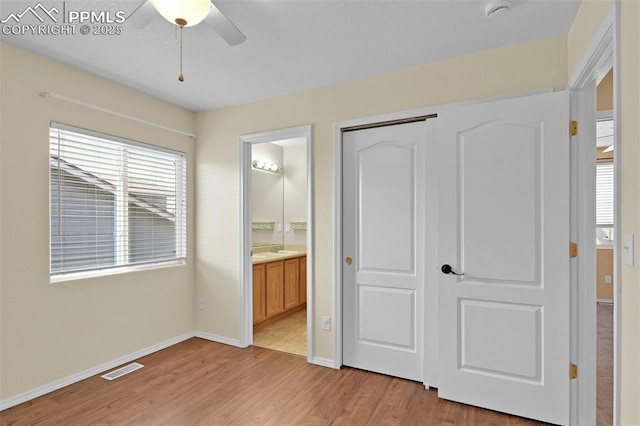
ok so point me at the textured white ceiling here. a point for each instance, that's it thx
(292, 45)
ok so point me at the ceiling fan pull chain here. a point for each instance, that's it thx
(181, 77)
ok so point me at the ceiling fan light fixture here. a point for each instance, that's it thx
(184, 13)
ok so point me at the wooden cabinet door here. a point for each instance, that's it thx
(303, 280)
(291, 286)
(259, 293)
(275, 288)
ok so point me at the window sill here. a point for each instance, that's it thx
(73, 276)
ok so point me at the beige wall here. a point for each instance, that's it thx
(589, 18)
(604, 267)
(604, 94)
(586, 23)
(630, 200)
(602, 156)
(534, 65)
(52, 331)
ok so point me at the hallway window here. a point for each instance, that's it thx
(114, 203)
(605, 190)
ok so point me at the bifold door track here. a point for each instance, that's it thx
(389, 123)
(122, 371)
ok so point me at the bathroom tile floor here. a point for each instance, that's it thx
(287, 335)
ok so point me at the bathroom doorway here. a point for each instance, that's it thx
(276, 240)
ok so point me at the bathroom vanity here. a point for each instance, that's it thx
(279, 285)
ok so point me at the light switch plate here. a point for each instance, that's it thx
(627, 249)
(326, 323)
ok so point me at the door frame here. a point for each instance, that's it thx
(245, 243)
(601, 54)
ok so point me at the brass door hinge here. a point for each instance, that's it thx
(573, 128)
(573, 249)
(573, 371)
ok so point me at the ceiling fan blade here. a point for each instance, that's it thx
(142, 16)
(223, 26)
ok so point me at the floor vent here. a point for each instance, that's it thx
(122, 371)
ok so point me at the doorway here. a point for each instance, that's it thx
(605, 253)
(600, 57)
(276, 240)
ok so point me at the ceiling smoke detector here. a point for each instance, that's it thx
(497, 8)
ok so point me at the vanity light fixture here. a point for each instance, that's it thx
(264, 166)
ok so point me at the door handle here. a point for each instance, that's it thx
(447, 269)
(348, 260)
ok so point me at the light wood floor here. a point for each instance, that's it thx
(201, 382)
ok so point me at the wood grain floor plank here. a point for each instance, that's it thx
(364, 399)
(392, 409)
(198, 382)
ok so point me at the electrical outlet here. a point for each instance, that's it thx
(607, 279)
(287, 227)
(326, 323)
(200, 303)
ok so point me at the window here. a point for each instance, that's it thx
(604, 182)
(114, 202)
(604, 203)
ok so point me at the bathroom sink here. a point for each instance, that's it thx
(282, 254)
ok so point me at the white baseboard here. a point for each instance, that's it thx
(607, 301)
(219, 339)
(29, 395)
(42, 390)
(323, 362)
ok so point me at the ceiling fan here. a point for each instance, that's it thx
(186, 13)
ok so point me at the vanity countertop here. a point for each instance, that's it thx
(280, 255)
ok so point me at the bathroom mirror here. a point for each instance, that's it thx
(267, 194)
(279, 193)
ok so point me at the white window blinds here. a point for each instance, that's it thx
(604, 194)
(114, 202)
